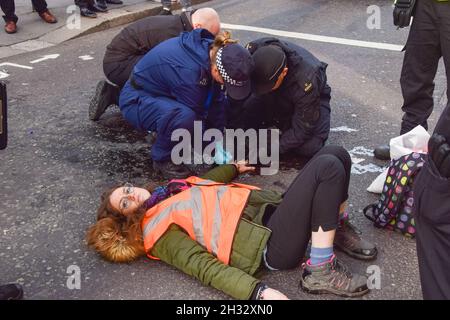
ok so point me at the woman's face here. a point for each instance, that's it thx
(127, 199)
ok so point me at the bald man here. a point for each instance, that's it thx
(134, 41)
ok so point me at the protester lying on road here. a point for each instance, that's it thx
(290, 92)
(432, 213)
(222, 233)
(134, 41)
(180, 81)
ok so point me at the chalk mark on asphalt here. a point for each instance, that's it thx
(318, 38)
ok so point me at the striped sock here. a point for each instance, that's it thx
(320, 255)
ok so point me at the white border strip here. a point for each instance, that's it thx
(312, 37)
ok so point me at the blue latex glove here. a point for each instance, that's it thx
(222, 156)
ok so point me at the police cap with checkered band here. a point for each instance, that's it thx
(235, 65)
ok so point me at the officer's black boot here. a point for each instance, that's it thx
(11, 292)
(171, 171)
(382, 152)
(104, 96)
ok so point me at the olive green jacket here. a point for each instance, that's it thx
(237, 279)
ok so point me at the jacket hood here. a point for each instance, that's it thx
(196, 44)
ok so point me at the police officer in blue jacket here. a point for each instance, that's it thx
(180, 81)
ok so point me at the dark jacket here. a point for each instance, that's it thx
(134, 41)
(238, 280)
(178, 69)
(301, 105)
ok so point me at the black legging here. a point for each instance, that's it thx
(312, 201)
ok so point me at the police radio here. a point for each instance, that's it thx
(3, 122)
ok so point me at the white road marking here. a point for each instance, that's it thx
(361, 169)
(356, 160)
(362, 151)
(15, 65)
(343, 129)
(86, 57)
(313, 37)
(46, 57)
(3, 75)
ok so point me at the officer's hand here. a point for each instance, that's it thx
(439, 152)
(243, 167)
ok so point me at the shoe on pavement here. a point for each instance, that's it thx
(86, 12)
(48, 17)
(114, 1)
(382, 152)
(332, 277)
(165, 12)
(348, 239)
(10, 27)
(102, 4)
(97, 8)
(11, 292)
(171, 171)
(101, 100)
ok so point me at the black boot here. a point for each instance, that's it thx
(114, 1)
(383, 152)
(11, 292)
(104, 96)
(102, 4)
(97, 8)
(165, 12)
(171, 171)
(85, 12)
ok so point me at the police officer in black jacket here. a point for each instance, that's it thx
(134, 41)
(432, 213)
(428, 41)
(290, 92)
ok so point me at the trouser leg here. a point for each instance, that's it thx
(8, 8)
(419, 67)
(443, 125)
(312, 201)
(310, 147)
(432, 215)
(39, 5)
(84, 3)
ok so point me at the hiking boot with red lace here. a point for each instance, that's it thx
(348, 239)
(332, 277)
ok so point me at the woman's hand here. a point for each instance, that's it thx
(243, 167)
(272, 294)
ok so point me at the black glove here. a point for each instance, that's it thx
(403, 11)
(439, 152)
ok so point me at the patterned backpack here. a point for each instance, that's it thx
(394, 209)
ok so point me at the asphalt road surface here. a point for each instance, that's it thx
(58, 162)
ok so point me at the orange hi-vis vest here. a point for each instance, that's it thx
(208, 211)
